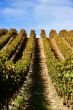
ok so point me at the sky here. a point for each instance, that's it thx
(36, 14)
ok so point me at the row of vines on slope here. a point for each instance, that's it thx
(3, 32)
(63, 46)
(52, 62)
(54, 46)
(6, 53)
(67, 35)
(60, 72)
(5, 38)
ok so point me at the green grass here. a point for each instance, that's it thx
(19, 100)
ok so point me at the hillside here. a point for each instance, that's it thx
(36, 73)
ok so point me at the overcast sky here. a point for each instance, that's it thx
(36, 14)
